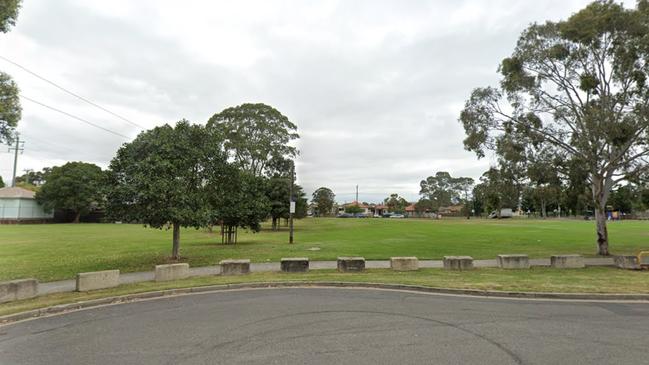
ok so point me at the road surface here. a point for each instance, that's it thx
(334, 325)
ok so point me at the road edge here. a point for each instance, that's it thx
(158, 294)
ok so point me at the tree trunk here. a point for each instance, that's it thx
(601, 189)
(602, 231)
(176, 242)
(544, 212)
(77, 216)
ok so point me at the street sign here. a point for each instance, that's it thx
(292, 209)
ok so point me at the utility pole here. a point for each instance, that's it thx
(357, 195)
(291, 203)
(18, 146)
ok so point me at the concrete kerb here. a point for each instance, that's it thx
(513, 261)
(97, 280)
(294, 264)
(18, 289)
(235, 267)
(171, 272)
(567, 262)
(64, 308)
(350, 264)
(404, 263)
(458, 263)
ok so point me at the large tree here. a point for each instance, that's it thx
(161, 178)
(75, 186)
(256, 136)
(396, 203)
(324, 199)
(2, 183)
(579, 88)
(10, 110)
(442, 189)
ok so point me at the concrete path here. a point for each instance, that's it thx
(136, 277)
(333, 326)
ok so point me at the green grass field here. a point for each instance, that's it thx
(55, 252)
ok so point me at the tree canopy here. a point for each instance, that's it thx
(443, 190)
(75, 186)
(396, 203)
(10, 110)
(576, 88)
(256, 136)
(8, 14)
(166, 176)
(324, 199)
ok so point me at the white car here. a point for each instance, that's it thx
(397, 216)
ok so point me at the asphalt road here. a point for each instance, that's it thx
(326, 326)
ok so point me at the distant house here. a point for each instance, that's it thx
(371, 210)
(451, 210)
(18, 205)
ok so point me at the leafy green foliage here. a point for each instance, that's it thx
(443, 189)
(396, 203)
(10, 110)
(324, 199)
(239, 200)
(162, 177)
(256, 136)
(8, 14)
(2, 183)
(76, 186)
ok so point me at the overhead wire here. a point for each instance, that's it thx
(73, 116)
(70, 92)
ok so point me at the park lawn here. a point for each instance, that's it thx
(59, 251)
(537, 279)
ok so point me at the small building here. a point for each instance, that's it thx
(18, 205)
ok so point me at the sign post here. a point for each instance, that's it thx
(292, 203)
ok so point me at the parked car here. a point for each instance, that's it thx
(345, 215)
(386, 215)
(397, 216)
(360, 215)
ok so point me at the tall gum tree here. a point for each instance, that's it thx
(578, 87)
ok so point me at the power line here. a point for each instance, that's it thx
(71, 93)
(74, 116)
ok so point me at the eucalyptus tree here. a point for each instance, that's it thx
(579, 88)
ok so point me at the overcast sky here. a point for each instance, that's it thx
(375, 87)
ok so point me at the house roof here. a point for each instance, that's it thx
(15, 192)
(411, 208)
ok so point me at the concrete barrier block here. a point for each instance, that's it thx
(458, 262)
(171, 272)
(404, 263)
(18, 290)
(628, 262)
(295, 264)
(513, 261)
(235, 267)
(97, 280)
(351, 264)
(567, 261)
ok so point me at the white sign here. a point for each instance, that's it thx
(292, 209)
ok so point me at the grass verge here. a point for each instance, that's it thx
(589, 280)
